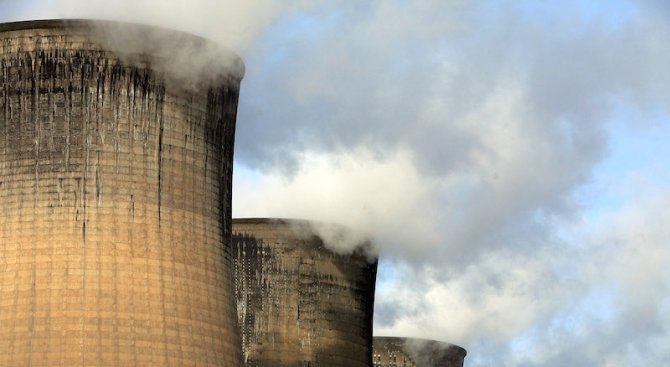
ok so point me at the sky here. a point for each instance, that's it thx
(509, 158)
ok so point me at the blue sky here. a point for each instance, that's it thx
(509, 158)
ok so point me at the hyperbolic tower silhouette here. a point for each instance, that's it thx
(299, 302)
(412, 352)
(115, 184)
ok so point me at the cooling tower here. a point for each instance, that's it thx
(300, 304)
(410, 352)
(115, 182)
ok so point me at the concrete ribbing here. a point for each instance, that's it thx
(412, 352)
(299, 303)
(114, 207)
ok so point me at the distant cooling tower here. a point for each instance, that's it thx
(300, 304)
(409, 352)
(116, 146)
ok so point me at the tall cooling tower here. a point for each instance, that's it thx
(410, 352)
(299, 303)
(116, 146)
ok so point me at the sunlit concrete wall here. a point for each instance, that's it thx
(299, 303)
(114, 205)
(410, 352)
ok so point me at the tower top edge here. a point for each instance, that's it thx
(419, 341)
(144, 39)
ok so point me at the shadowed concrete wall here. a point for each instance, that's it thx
(299, 303)
(115, 185)
(410, 352)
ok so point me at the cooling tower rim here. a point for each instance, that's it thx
(263, 220)
(291, 221)
(398, 339)
(321, 230)
(298, 222)
(236, 66)
(42, 24)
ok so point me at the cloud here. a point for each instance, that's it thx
(488, 123)
(482, 300)
(604, 301)
(355, 189)
(623, 322)
(502, 117)
(232, 23)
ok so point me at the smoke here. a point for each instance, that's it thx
(382, 196)
(183, 60)
(341, 240)
(431, 353)
(234, 24)
(463, 146)
(229, 29)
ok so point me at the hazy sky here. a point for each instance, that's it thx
(509, 157)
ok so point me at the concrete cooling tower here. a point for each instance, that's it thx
(409, 352)
(116, 146)
(299, 303)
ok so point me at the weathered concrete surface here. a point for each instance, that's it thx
(410, 352)
(114, 207)
(300, 304)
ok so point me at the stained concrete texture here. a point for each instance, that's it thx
(411, 352)
(115, 185)
(300, 304)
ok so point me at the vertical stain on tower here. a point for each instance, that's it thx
(299, 303)
(111, 230)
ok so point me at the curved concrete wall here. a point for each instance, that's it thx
(300, 304)
(411, 352)
(115, 185)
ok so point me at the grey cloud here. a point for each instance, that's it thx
(352, 86)
(619, 314)
(510, 119)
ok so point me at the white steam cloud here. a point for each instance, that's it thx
(232, 23)
(183, 60)
(359, 191)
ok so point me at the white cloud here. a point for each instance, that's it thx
(233, 23)
(358, 190)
